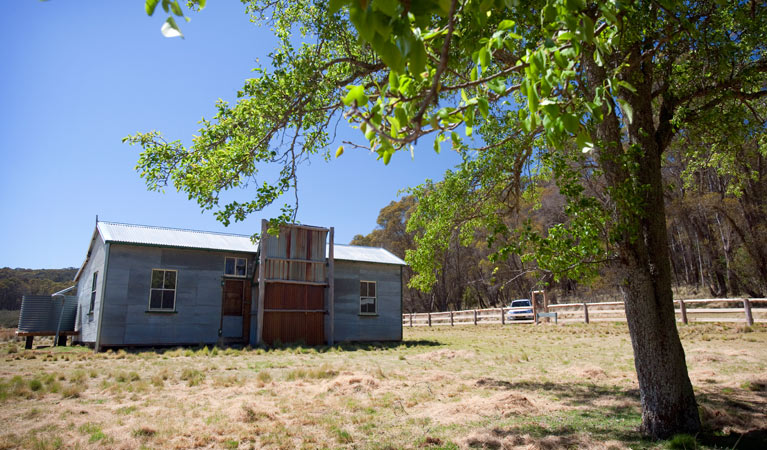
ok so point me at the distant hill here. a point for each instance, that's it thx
(15, 283)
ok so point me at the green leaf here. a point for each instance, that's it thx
(627, 86)
(484, 57)
(356, 94)
(387, 156)
(497, 85)
(176, 8)
(484, 107)
(202, 4)
(388, 7)
(532, 97)
(570, 122)
(335, 5)
(340, 151)
(150, 6)
(401, 116)
(505, 24)
(548, 15)
(575, 5)
(391, 56)
(393, 80)
(628, 111)
(417, 58)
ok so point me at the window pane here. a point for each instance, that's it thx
(229, 269)
(170, 279)
(371, 289)
(155, 301)
(241, 266)
(157, 278)
(367, 305)
(95, 277)
(363, 289)
(167, 299)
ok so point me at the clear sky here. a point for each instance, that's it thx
(76, 77)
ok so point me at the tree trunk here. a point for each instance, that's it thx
(668, 401)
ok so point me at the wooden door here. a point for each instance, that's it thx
(294, 313)
(235, 310)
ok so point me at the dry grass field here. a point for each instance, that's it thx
(521, 386)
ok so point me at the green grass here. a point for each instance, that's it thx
(548, 386)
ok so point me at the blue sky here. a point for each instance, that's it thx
(77, 77)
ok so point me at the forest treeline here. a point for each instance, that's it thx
(717, 229)
(15, 283)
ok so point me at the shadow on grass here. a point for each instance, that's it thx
(296, 347)
(613, 413)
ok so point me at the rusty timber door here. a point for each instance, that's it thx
(294, 313)
(235, 311)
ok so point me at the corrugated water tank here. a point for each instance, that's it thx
(41, 313)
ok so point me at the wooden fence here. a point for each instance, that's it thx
(745, 310)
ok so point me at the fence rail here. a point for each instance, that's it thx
(697, 310)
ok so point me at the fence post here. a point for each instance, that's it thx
(503, 317)
(683, 309)
(749, 316)
(411, 320)
(585, 313)
(429, 318)
(475, 317)
(451, 319)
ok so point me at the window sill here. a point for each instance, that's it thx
(368, 314)
(161, 311)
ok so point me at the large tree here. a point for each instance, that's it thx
(585, 93)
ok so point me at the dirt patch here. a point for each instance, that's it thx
(352, 384)
(506, 440)
(443, 354)
(503, 404)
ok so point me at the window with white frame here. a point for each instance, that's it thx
(368, 304)
(236, 267)
(162, 295)
(93, 292)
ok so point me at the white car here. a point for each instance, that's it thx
(518, 314)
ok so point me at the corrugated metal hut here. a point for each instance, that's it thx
(156, 286)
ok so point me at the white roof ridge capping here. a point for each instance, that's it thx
(361, 253)
(175, 237)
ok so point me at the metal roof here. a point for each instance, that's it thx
(365, 254)
(174, 237)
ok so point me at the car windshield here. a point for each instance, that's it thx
(518, 303)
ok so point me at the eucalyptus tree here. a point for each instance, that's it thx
(590, 94)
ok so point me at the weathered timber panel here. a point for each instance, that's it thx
(234, 296)
(298, 327)
(349, 324)
(294, 296)
(295, 324)
(296, 243)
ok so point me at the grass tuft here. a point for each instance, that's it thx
(682, 442)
